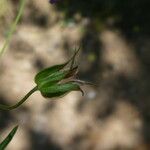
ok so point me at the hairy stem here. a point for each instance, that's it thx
(5, 107)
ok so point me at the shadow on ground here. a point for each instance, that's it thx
(132, 20)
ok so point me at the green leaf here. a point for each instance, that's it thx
(59, 89)
(9, 137)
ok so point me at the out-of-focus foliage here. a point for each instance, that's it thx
(13, 26)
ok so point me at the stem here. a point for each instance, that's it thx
(13, 27)
(5, 107)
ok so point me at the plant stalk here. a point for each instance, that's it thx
(6, 107)
(13, 27)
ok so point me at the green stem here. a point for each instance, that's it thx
(13, 27)
(5, 107)
(9, 137)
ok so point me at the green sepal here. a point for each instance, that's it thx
(56, 77)
(59, 89)
(9, 137)
(47, 72)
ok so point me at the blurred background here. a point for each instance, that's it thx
(114, 36)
